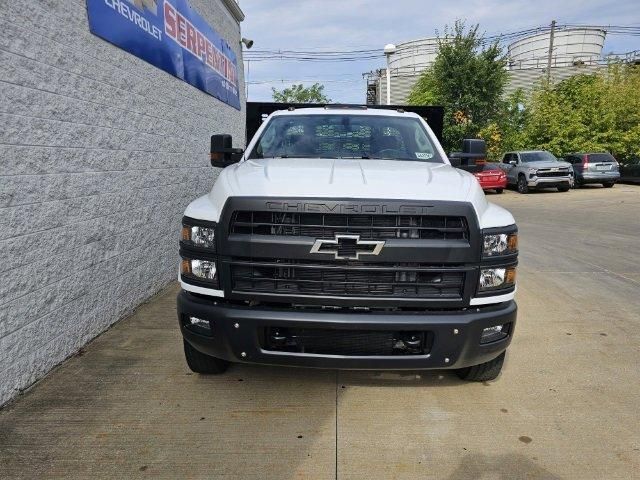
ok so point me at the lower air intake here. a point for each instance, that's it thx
(346, 342)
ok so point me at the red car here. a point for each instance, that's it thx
(491, 177)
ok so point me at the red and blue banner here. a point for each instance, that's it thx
(172, 36)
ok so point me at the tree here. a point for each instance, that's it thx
(505, 132)
(598, 112)
(468, 79)
(301, 94)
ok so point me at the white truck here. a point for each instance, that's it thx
(344, 238)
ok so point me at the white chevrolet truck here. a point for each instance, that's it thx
(344, 238)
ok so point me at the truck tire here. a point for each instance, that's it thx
(200, 363)
(499, 190)
(522, 184)
(483, 372)
(608, 184)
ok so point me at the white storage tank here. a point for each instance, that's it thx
(571, 46)
(414, 56)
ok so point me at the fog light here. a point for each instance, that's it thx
(492, 334)
(199, 325)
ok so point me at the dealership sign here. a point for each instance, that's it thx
(172, 36)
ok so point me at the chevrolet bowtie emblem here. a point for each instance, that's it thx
(347, 247)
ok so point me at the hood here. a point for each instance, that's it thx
(346, 178)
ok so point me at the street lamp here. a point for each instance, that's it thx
(389, 49)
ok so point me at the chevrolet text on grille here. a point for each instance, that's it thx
(349, 208)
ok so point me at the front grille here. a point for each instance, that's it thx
(351, 279)
(369, 227)
(346, 342)
(547, 173)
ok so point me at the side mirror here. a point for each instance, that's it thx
(474, 147)
(512, 162)
(472, 156)
(222, 152)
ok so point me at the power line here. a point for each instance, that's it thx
(313, 54)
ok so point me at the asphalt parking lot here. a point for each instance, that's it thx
(565, 407)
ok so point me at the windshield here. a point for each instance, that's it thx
(528, 157)
(346, 136)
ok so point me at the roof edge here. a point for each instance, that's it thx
(235, 9)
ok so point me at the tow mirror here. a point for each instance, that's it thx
(222, 152)
(472, 156)
(474, 147)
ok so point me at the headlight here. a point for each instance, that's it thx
(199, 270)
(497, 278)
(532, 171)
(496, 244)
(199, 236)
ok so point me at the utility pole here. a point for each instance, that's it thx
(389, 50)
(549, 58)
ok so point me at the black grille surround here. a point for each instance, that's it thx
(430, 257)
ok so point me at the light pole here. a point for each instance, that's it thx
(389, 49)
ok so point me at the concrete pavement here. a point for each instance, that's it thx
(565, 407)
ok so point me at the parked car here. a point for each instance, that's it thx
(536, 169)
(594, 168)
(630, 170)
(491, 177)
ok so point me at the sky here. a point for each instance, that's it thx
(336, 25)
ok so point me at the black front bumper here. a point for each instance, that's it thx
(236, 334)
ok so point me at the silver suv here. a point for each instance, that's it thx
(536, 169)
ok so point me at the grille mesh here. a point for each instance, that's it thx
(352, 279)
(372, 227)
(547, 173)
(345, 342)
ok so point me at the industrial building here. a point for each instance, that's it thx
(575, 50)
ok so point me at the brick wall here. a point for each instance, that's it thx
(100, 153)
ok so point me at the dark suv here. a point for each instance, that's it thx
(630, 170)
(593, 168)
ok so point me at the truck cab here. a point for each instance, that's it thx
(344, 238)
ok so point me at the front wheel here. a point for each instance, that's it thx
(201, 363)
(608, 185)
(523, 187)
(564, 189)
(499, 190)
(483, 372)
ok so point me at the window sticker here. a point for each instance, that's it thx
(424, 155)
